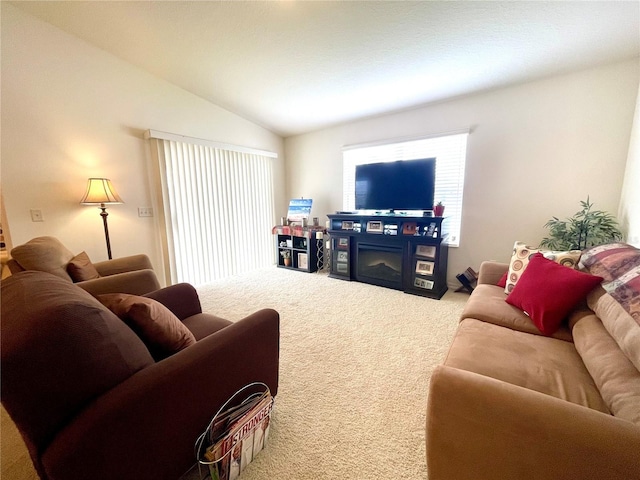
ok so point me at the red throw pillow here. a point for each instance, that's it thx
(503, 280)
(547, 291)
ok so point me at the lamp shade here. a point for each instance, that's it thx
(99, 191)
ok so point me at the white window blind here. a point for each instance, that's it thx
(450, 152)
(218, 210)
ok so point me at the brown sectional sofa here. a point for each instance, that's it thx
(512, 403)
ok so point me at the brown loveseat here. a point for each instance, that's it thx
(90, 400)
(132, 274)
(512, 403)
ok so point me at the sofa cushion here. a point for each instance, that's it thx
(546, 365)
(204, 324)
(44, 254)
(617, 321)
(522, 253)
(67, 343)
(548, 291)
(487, 303)
(616, 377)
(162, 332)
(81, 269)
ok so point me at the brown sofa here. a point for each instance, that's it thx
(90, 400)
(512, 403)
(132, 274)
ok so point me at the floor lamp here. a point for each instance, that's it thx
(100, 192)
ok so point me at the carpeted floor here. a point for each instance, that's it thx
(355, 363)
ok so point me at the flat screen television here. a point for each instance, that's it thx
(401, 185)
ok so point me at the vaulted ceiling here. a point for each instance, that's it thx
(298, 66)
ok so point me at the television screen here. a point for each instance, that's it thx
(401, 185)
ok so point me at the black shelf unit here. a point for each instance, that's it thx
(404, 252)
(303, 251)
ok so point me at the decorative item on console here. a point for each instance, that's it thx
(438, 209)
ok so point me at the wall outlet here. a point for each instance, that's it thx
(36, 215)
(145, 212)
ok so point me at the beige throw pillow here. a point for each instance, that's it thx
(520, 259)
(161, 331)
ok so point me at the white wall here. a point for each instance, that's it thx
(535, 151)
(629, 213)
(71, 111)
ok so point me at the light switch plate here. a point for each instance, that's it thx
(145, 212)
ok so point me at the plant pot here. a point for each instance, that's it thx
(287, 262)
(438, 210)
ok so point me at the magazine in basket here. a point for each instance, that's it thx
(236, 435)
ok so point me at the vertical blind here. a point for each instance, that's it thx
(450, 152)
(218, 210)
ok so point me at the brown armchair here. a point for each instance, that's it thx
(133, 274)
(89, 399)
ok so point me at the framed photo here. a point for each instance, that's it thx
(425, 268)
(342, 268)
(428, 251)
(409, 228)
(374, 227)
(423, 283)
(342, 257)
(343, 242)
(347, 225)
(303, 261)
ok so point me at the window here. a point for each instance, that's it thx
(217, 207)
(450, 151)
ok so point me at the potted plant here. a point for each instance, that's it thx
(587, 228)
(438, 209)
(286, 255)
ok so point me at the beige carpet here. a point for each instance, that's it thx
(355, 364)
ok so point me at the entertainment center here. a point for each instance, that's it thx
(404, 252)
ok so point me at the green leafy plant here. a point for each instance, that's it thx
(587, 228)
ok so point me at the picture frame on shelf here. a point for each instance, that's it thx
(409, 228)
(342, 257)
(424, 267)
(347, 225)
(343, 242)
(428, 251)
(375, 226)
(303, 261)
(423, 283)
(342, 268)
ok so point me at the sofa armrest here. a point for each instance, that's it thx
(147, 426)
(490, 272)
(480, 424)
(182, 299)
(123, 264)
(137, 282)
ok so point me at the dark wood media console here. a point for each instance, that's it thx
(395, 251)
